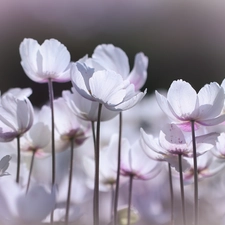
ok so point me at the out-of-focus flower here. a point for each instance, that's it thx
(67, 125)
(107, 166)
(208, 166)
(16, 117)
(183, 105)
(37, 138)
(113, 58)
(135, 163)
(17, 207)
(4, 164)
(104, 86)
(50, 60)
(19, 93)
(86, 109)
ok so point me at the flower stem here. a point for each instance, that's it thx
(118, 170)
(70, 181)
(182, 188)
(30, 172)
(18, 160)
(112, 201)
(51, 98)
(129, 198)
(171, 195)
(97, 156)
(195, 174)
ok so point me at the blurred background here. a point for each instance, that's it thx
(183, 39)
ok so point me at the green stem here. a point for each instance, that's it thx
(118, 171)
(70, 181)
(97, 156)
(195, 174)
(182, 188)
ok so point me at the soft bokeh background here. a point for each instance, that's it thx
(183, 39)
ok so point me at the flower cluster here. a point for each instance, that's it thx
(104, 152)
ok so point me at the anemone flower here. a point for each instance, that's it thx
(110, 57)
(183, 104)
(50, 60)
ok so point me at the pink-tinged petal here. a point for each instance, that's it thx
(163, 104)
(42, 205)
(173, 140)
(212, 122)
(211, 101)
(112, 58)
(55, 58)
(182, 99)
(28, 52)
(80, 75)
(187, 126)
(107, 87)
(138, 75)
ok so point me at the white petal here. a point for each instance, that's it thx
(55, 58)
(211, 101)
(28, 53)
(138, 74)
(182, 98)
(112, 58)
(80, 75)
(163, 104)
(107, 87)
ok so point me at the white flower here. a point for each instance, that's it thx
(16, 117)
(104, 86)
(183, 104)
(113, 58)
(51, 60)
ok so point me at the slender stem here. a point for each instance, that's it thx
(112, 201)
(94, 142)
(70, 181)
(30, 172)
(195, 174)
(93, 131)
(171, 195)
(51, 98)
(97, 158)
(118, 170)
(18, 160)
(182, 188)
(129, 198)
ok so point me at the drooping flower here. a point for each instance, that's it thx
(50, 60)
(182, 104)
(16, 116)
